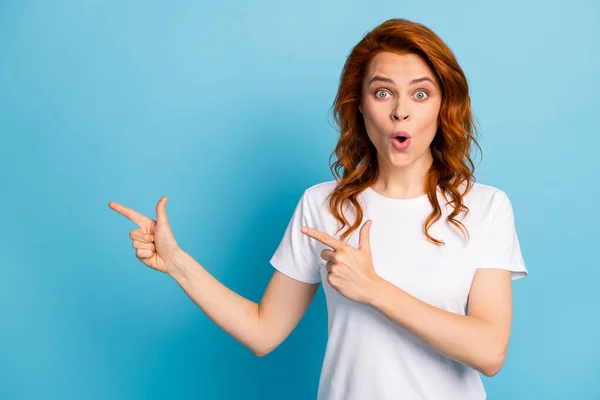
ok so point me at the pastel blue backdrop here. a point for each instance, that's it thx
(224, 108)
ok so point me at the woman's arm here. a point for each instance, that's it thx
(479, 340)
(259, 327)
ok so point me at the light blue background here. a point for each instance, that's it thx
(224, 108)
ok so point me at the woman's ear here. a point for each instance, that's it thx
(360, 108)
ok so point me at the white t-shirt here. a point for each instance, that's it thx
(368, 356)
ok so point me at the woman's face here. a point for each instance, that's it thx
(391, 103)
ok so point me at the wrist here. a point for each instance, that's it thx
(377, 290)
(176, 265)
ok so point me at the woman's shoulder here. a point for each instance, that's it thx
(319, 192)
(487, 199)
(483, 192)
(321, 187)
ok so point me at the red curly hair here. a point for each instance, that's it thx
(450, 148)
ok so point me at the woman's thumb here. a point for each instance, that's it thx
(161, 211)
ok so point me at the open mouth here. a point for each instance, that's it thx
(401, 138)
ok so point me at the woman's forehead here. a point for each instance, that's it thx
(398, 69)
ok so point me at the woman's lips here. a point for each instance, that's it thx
(401, 146)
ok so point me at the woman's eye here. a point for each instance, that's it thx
(419, 96)
(380, 91)
(422, 91)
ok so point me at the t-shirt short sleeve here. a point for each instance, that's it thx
(500, 246)
(296, 255)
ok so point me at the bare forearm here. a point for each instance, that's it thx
(466, 339)
(236, 315)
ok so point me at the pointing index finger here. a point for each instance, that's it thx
(131, 214)
(323, 238)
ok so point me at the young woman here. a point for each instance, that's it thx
(423, 242)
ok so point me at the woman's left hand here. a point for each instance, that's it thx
(350, 270)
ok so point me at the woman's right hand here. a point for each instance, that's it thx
(154, 241)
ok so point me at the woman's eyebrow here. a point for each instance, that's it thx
(388, 80)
